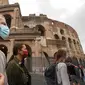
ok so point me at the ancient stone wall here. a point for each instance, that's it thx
(44, 36)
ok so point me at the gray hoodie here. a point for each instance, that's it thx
(3, 66)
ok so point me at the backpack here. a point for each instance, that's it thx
(50, 75)
(73, 72)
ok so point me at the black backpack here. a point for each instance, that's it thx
(50, 75)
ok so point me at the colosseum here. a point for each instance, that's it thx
(42, 35)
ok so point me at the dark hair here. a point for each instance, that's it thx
(68, 59)
(61, 53)
(17, 46)
(4, 49)
(55, 55)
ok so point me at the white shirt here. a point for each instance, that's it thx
(62, 75)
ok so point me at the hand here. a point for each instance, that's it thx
(1, 79)
(75, 84)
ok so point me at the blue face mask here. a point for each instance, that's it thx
(4, 31)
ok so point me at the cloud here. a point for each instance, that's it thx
(77, 21)
(74, 18)
(45, 7)
(27, 6)
(12, 1)
(72, 12)
(70, 5)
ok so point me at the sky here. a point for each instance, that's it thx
(70, 12)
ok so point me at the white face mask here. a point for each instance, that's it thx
(4, 31)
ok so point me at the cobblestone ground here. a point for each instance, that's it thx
(38, 79)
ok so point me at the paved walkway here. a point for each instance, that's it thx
(38, 79)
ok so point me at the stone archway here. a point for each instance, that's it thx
(41, 29)
(74, 42)
(63, 38)
(8, 19)
(70, 43)
(62, 31)
(56, 36)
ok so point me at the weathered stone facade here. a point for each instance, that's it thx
(4, 2)
(44, 36)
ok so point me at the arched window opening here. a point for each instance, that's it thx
(62, 31)
(25, 26)
(74, 42)
(63, 38)
(69, 40)
(56, 36)
(8, 19)
(78, 46)
(41, 29)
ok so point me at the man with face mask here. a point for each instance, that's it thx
(16, 71)
(4, 32)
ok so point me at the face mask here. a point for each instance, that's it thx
(4, 31)
(25, 52)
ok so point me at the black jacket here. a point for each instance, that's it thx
(17, 73)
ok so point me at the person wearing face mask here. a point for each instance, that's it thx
(4, 29)
(4, 33)
(16, 71)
